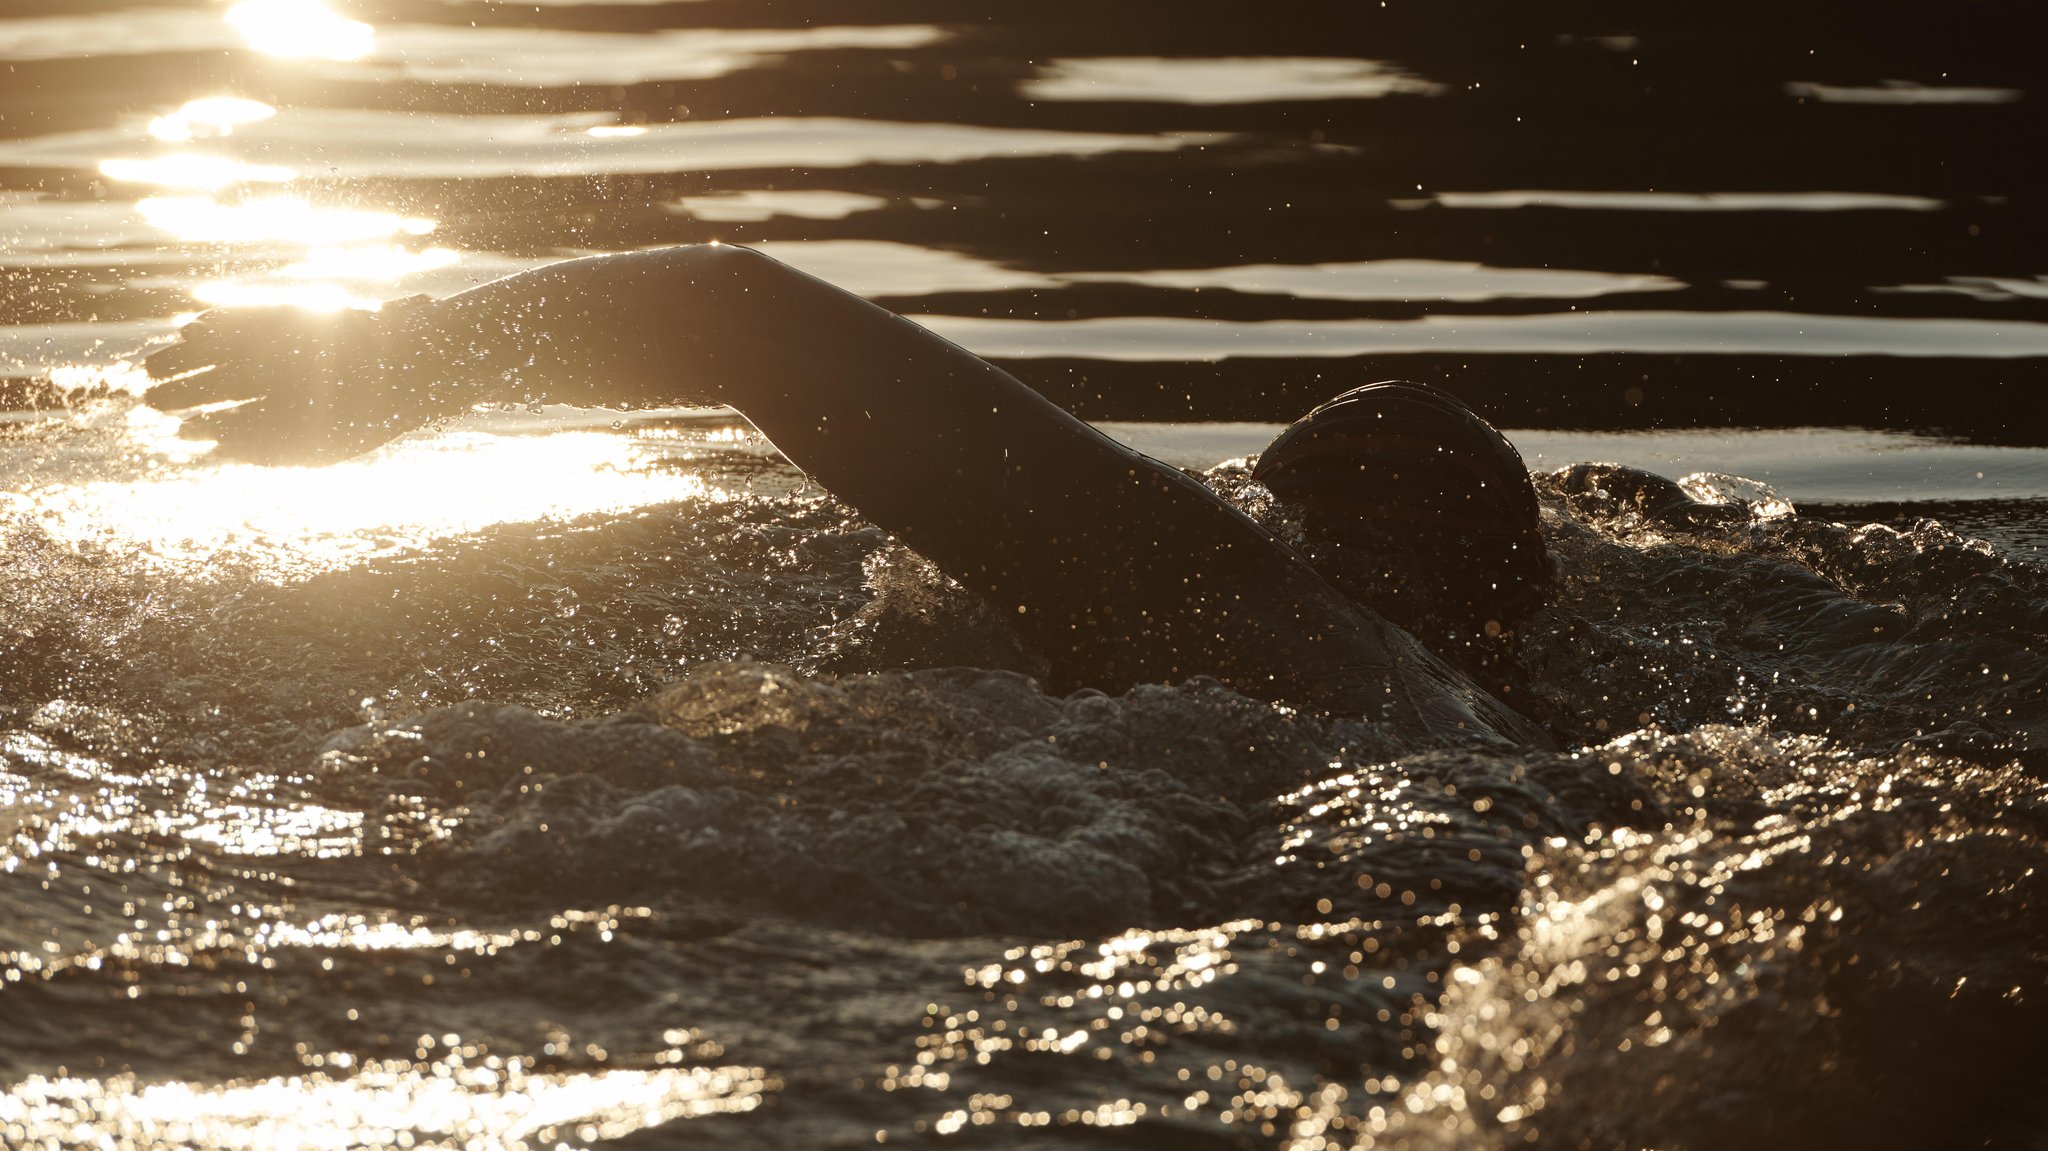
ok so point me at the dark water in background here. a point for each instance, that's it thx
(420, 801)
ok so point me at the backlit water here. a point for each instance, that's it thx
(564, 778)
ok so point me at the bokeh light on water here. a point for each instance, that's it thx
(455, 1101)
(273, 219)
(198, 172)
(208, 116)
(349, 258)
(292, 521)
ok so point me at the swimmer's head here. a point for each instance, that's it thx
(1414, 505)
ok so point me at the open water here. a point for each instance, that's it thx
(561, 778)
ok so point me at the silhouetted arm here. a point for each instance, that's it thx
(1119, 568)
(693, 324)
(1003, 489)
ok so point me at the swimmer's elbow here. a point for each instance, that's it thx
(715, 267)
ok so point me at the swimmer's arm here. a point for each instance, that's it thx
(311, 387)
(695, 324)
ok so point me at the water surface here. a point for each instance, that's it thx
(562, 777)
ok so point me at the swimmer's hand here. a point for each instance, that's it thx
(280, 385)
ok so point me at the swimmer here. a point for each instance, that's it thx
(1120, 569)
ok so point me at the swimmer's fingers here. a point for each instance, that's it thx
(324, 418)
(238, 353)
(190, 389)
(283, 386)
(307, 428)
(198, 347)
(228, 355)
(187, 373)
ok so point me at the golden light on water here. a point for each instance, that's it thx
(258, 294)
(274, 219)
(301, 29)
(295, 521)
(450, 1102)
(265, 830)
(207, 117)
(245, 821)
(386, 262)
(318, 283)
(195, 171)
(342, 248)
(120, 377)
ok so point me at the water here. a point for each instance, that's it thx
(562, 778)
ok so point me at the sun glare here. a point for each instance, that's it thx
(325, 297)
(342, 247)
(301, 29)
(318, 282)
(385, 263)
(297, 521)
(274, 219)
(209, 117)
(449, 1102)
(194, 171)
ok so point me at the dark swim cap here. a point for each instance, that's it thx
(1415, 506)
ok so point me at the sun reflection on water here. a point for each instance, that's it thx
(452, 1101)
(194, 171)
(383, 262)
(295, 521)
(209, 116)
(307, 297)
(301, 29)
(342, 247)
(274, 219)
(320, 282)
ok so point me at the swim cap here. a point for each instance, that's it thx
(1414, 505)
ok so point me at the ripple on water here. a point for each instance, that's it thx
(899, 898)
